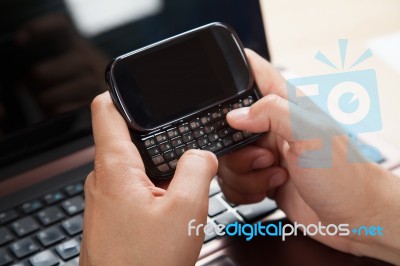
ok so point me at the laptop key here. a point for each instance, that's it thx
(74, 262)
(45, 258)
(230, 203)
(74, 189)
(50, 215)
(53, 197)
(73, 225)
(212, 234)
(50, 236)
(68, 249)
(5, 236)
(24, 247)
(5, 258)
(31, 206)
(8, 216)
(251, 212)
(73, 205)
(24, 226)
(214, 188)
(226, 218)
(215, 207)
(23, 263)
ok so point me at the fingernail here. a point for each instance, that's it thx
(240, 113)
(262, 162)
(276, 180)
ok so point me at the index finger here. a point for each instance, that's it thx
(111, 134)
(268, 79)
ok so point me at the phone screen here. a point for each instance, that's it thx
(178, 78)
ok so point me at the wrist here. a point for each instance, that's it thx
(383, 242)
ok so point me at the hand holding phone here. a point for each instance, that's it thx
(175, 95)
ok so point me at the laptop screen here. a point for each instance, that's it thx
(54, 54)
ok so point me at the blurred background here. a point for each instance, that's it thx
(297, 30)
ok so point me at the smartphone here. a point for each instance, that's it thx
(175, 95)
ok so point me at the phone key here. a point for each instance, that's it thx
(169, 155)
(238, 136)
(161, 137)
(237, 105)
(172, 133)
(195, 124)
(173, 163)
(202, 141)
(216, 115)
(165, 146)
(247, 134)
(153, 151)
(199, 133)
(180, 150)
(248, 101)
(220, 124)
(213, 137)
(224, 132)
(209, 128)
(158, 159)
(188, 137)
(192, 145)
(213, 147)
(149, 142)
(225, 110)
(184, 128)
(205, 119)
(227, 141)
(163, 168)
(176, 142)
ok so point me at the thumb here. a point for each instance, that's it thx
(193, 175)
(271, 113)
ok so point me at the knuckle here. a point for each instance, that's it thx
(271, 100)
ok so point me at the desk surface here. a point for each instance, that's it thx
(296, 30)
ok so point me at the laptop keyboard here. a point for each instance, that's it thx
(47, 231)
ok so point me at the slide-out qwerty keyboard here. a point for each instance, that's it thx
(207, 131)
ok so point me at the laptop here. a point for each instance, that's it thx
(54, 55)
